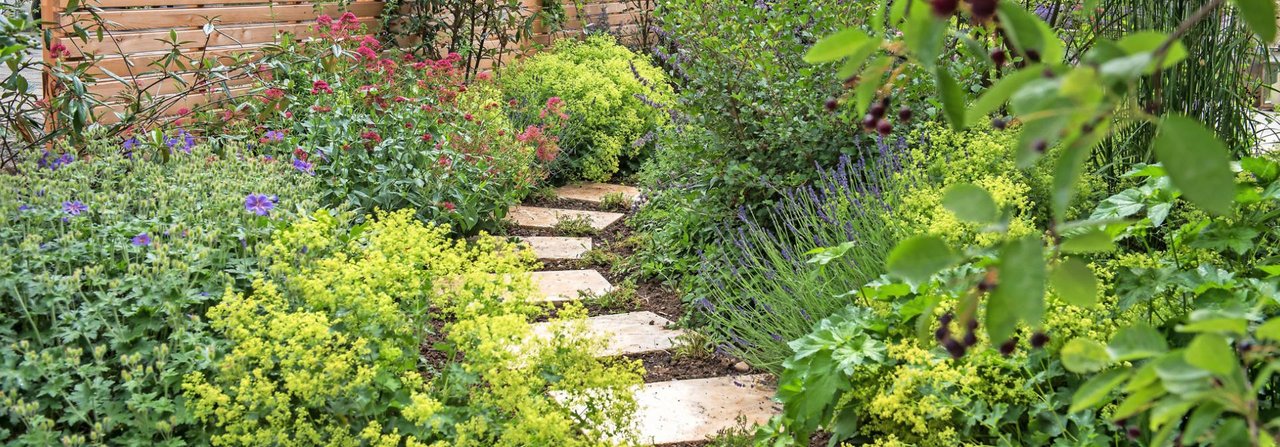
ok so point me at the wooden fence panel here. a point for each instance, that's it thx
(139, 34)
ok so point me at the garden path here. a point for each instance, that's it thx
(670, 412)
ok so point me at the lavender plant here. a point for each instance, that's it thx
(770, 278)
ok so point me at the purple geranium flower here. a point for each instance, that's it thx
(303, 166)
(131, 143)
(258, 204)
(141, 240)
(184, 138)
(74, 207)
(24, 208)
(274, 135)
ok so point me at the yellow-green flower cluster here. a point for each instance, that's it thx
(324, 350)
(605, 87)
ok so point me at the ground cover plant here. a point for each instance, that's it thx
(616, 98)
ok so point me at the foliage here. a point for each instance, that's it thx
(1202, 391)
(615, 98)
(390, 132)
(758, 286)
(432, 29)
(108, 265)
(330, 339)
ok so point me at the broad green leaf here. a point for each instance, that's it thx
(1137, 401)
(1211, 352)
(1019, 293)
(1137, 342)
(952, 98)
(1126, 69)
(1204, 417)
(1093, 241)
(1261, 17)
(1041, 133)
(970, 202)
(1075, 283)
(854, 62)
(1265, 170)
(924, 34)
(1271, 270)
(1170, 409)
(1269, 330)
(871, 78)
(1231, 432)
(837, 46)
(919, 257)
(1197, 163)
(1236, 326)
(1149, 41)
(1067, 171)
(1083, 356)
(1096, 390)
(1001, 91)
(1022, 27)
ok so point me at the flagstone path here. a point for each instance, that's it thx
(670, 412)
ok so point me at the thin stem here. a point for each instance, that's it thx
(1162, 52)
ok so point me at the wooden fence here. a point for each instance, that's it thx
(138, 33)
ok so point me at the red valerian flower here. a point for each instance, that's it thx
(301, 154)
(448, 206)
(320, 86)
(467, 117)
(426, 137)
(320, 109)
(59, 51)
(484, 76)
(274, 94)
(444, 161)
(372, 135)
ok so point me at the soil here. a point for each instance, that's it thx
(665, 365)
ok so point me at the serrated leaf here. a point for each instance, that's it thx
(1197, 162)
(970, 202)
(919, 257)
(1096, 390)
(1212, 353)
(1019, 293)
(1083, 356)
(1137, 342)
(1261, 17)
(837, 46)
(1075, 283)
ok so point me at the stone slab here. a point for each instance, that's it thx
(595, 192)
(565, 285)
(557, 247)
(546, 218)
(628, 333)
(692, 410)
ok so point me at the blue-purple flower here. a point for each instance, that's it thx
(184, 138)
(74, 207)
(24, 208)
(258, 204)
(273, 135)
(303, 166)
(141, 240)
(131, 143)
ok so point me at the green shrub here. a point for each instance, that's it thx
(609, 93)
(325, 349)
(107, 265)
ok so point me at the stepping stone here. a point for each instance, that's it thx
(595, 192)
(692, 410)
(546, 218)
(629, 333)
(565, 285)
(557, 247)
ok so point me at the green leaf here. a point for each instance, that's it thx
(1137, 401)
(1019, 294)
(1083, 356)
(1269, 330)
(924, 34)
(1212, 353)
(837, 46)
(1096, 390)
(1261, 17)
(970, 202)
(854, 62)
(1204, 417)
(870, 82)
(1137, 342)
(1150, 41)
(1093, 241)
(999, 93)
(1197, 162)
(1075, 283)
(1023, 27)
(919, 257)
(1265, 170)
(952, 99)
(1235, 326)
